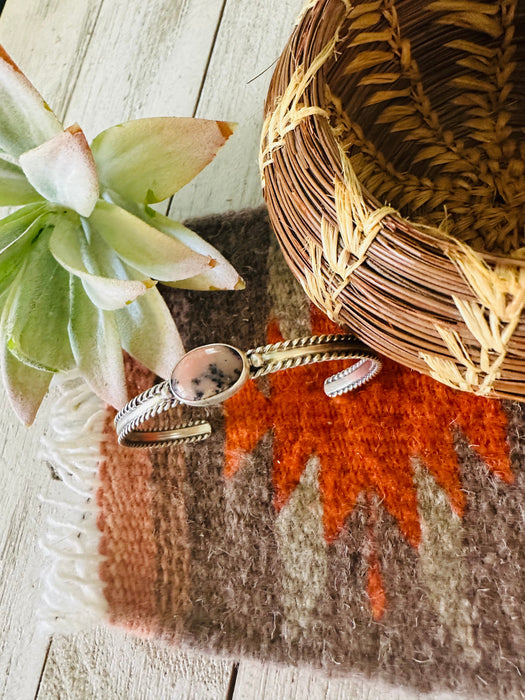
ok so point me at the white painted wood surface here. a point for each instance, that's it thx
(100, 62)
(110, 665)
(256, 681)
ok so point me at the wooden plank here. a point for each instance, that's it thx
(271, 681)
(251, 37)
(144, 59)
(23, 476)
(49, 40)
(23, 644)
(69, 39)
(108, 664)
(153, 56)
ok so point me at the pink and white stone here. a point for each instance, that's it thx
(206, 372)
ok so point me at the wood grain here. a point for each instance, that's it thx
(144, 59)
(108, 664)
(251, 37)
(23, 476)
(23, 644)
(69, 42)
(49, 40)
(272, 682)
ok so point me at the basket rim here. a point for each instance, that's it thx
(422, 232)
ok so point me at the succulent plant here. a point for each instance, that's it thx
(81, 255)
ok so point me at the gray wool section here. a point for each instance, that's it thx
(303, 552)
(442, 562)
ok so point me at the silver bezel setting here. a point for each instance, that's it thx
(223, 395)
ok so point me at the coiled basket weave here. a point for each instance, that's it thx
(393, 161)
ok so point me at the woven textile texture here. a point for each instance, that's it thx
(380, 532)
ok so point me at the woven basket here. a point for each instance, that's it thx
(392, 161)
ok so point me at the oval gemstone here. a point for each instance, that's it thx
(206, 372)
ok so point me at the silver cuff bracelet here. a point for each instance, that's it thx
(211, 374)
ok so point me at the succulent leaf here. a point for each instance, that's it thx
(25, 386)
(145, 248)
(101, 259)
(222, 275)
(25, 119)
(149, 334)
(14, 188)
(38, 311)
(63, 171)
(96, 346)
(148, 160)
(16, 233)
(66, 243)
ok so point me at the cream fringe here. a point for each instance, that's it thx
(73, 598)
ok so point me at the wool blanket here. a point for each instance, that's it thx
(381, 532)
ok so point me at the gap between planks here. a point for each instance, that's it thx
(207, 66)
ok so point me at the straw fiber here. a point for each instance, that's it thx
(393, 166)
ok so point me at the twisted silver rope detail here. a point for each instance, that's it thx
(123, 439)
(259, 367)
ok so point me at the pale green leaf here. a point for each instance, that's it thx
(25, 386)
(14, 187)
(221, 276)
(149, 334)
(16, 233)
(26, 120)
(101, 259)
(63, 171)
(96, 347)
(148, 160)
(69, 247)
(148, 250)
(38, 311)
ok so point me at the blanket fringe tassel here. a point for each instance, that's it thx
(73, 598)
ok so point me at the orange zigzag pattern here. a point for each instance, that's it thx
(365, 440)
